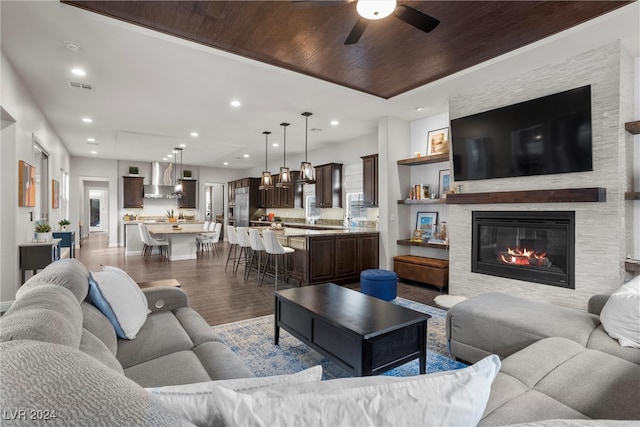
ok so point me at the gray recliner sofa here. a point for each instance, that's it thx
(558, 363)
(60, 355)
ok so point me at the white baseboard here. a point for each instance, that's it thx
(4, 305)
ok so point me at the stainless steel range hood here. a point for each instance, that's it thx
(162, 186)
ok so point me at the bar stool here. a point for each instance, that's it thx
(232, 236)
(245, 247)
(217, 231)
(273, 247)
(257, 244)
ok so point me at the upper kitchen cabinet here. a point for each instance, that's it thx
(329, 185)
(291, 197)
(231, 196)
(370, 179)
(190, 190)
(133, 191)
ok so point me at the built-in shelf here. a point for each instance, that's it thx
(407, 242)
(424, 160)
(566, 195)
(633, 127)
(421, 202)
(632, 195)
(632, 265)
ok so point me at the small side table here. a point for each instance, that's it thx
(68, 241)
(37, 255)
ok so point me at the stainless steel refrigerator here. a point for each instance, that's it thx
(241, 212)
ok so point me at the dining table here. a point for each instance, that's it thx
(181, 238)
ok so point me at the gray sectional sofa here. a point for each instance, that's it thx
(61, 360)
(558, 363)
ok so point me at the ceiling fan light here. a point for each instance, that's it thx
(375, 9)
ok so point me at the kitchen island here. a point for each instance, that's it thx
(336, 256)
(133, 243)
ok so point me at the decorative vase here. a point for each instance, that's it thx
(173, 219)
(44, 237)
(64, 228)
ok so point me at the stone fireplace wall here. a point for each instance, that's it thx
(603, 230)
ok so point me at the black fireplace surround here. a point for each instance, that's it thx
(536, 246)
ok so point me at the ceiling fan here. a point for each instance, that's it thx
(371, 10)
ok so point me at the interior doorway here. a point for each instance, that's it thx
(98, 210)
(214, 202)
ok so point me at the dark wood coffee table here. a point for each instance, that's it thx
(365, 335)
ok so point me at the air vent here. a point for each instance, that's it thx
(78, 85)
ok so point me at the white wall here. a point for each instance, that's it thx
(16, 225)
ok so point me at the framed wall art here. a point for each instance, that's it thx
(27, 183)
(444, 182)
(426, 222)
(438, 141)
(55, 194)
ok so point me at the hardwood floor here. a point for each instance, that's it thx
(218, 295)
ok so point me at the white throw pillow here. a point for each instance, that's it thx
(620, 316)
(450, 398)
(120, 299)
(191, 400)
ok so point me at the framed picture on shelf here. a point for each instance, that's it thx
(438, 141)
(426, 192)
(444, 183)
(416, 236)
(425, 222)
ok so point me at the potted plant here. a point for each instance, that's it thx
(64, 224)
(43, 231)
(170, 215)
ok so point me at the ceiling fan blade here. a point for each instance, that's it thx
(416, 18)
(357, 31)
(308, 4)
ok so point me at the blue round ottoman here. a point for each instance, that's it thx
(381, 284)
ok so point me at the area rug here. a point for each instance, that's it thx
(252, 341)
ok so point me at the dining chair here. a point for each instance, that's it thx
(273, 247)
(204, 240)
(151, 243)
(257, 246)
(232, 237)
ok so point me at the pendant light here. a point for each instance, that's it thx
(266, 181)
(307, 173)
(178, 181)
(285, 175)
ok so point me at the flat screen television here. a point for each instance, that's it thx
(547, 135)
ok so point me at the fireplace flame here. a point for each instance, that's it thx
(524, 257)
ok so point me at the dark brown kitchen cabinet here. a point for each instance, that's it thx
(340, 258)
(133, 192)
(329, 185)
(370, 179)
(231, 193)
(190, 191)
(280, 197)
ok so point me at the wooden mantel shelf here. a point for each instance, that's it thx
(565, 195)
(633, 127)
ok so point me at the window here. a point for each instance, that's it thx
(355, 206)
(312, 211)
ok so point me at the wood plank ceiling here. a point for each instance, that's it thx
(391, 58)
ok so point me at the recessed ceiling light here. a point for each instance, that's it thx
(334, 123)
(275, 144)
(78, 72)
(87, 120)
(235, 103)
(226, 163)
(169, 155)
(194, 134)
(91, 139)
(183, 145)
(164, 158)
(419, 108)
(94, 152)
(246, 156)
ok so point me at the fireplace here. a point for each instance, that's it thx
(531, 246)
